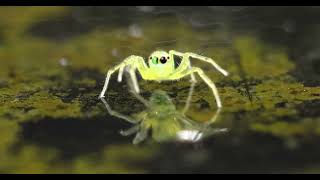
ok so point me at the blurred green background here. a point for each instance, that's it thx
(54, 61)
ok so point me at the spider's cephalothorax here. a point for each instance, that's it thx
(161, 67)
(161, 64)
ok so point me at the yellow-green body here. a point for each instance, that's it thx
(161, 66)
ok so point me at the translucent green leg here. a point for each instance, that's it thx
(186, 57)
(134, 62)
(185, 64)
(204, 78)
(120, 74)
(208, 60)
(131, 70)
(110, 72)
(214, 117)
(208, 131)
(210, 84)
(202, 130)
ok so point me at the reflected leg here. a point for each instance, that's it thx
(207, 130)
(119, 115)
(130, 131)
(141, 136)
(193, 82)
(214, 117)
(138, 96)
(186, 107)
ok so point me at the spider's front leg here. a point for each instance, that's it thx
(185, 63)
(134, 62)
(208, 60)
(187, 56)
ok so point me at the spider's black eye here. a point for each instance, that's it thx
(163, 60)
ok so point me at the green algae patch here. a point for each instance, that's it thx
(38, 106)
(114, 159)
(306, 128)
(16, 20)
(259, 60)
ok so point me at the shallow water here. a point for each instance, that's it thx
(53, 65)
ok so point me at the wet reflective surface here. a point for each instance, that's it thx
(53, 65)
(164, 122)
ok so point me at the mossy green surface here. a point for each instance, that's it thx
(36, 83)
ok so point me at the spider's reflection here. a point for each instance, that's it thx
(164, 122)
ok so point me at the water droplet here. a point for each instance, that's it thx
(115, 52)
(64, 62)
(135, 31)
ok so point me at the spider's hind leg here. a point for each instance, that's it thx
(204, 77)
(211, 84)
